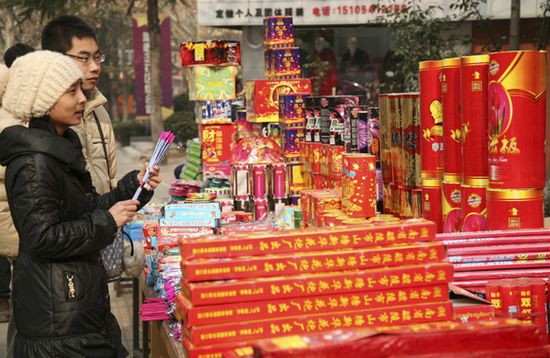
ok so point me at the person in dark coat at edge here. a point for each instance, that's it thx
(60, 295)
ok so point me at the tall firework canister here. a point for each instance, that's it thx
(359, 185)
(396, 138)
(431, 202)
(515, 208)
(474, 85)
(452, 155)
(517, 120)
(259, 181)
(431, 120)
(385, 138)
(241, 182)
(279, 182)
(411, 139)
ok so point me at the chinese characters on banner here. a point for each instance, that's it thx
(142, 64)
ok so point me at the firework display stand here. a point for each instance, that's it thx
(311, 226)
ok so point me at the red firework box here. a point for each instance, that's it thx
(324, 158)
(452, 203)
(504, 249)
(385, 137)
(292, 108)
(214, 53)
(309, 263)
(216, 142)
(482, 237)
(215, 351)
(431, 120)
(396, 147)
(474, 207)
(262, 97)
(315, 157)
(282, 63)
(517, 119)
(502, 265)
(313, 119)
(359, 184)
(410, 143)
(452, 125)
(322, 201)
(489, 257)
(474, 82)
(248, 290)
(278, 31)
(432, 202)
(472, 313)
(387, 316)
(515, 208)
(292, 241)
(251, 311)
(335, 163)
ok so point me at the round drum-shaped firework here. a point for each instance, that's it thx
(515, 208)
(517, 119)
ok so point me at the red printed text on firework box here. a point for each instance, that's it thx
(251, 311)
(339, 238)
(262, 97)
(305, 263)
(387, 316)
(517, 119)
(216, 143)
(253, 289)
(214, 351)
(471, 313)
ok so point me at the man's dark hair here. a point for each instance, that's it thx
(58, 33)
(16, 51)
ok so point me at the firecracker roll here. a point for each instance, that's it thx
(517, 119)
(515, 208)
(359, 184)
(474, 208)
(474, 84)
(431, 120)
(279, 179)
(432, 202)
(452, 126)
(259, 181)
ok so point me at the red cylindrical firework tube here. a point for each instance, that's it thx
(431, 120)
(515, 208)
(241, 182)
(259, 180)
(359, 185)
(431, 202)
(474, 208)
(452, 125)
(473, 92)
(335, 169)
(492, 294)
(517, 119)
(452, 200)
(324, 159)
(261, 209)
(279, 181)
(538, 303)
(385, 136)
(509, 294)
(314, 157)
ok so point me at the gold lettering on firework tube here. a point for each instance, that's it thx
(431, 119)
(514, 209)
(359, 185)
(473, 93)
(517, 119)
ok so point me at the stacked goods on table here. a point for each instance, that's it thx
(399, 153)
(488, 112)
(495, 339)
(213, 67)
(246, 286)
(192, 169)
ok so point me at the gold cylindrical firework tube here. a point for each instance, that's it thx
(515, 208)
(411, 139)
(517, 119)
(431, 202)
(359, 185)
(452, 124)
(431, 120)
(473, 92)
(385, 134)
(395, 128)
(451, 202)
(416, 202)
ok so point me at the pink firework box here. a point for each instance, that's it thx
(278, 30)
(208, 83)
(259, 181)
(279, 181)
(292, 108)
(262, 97)
(283, 63)
(216, 171)
(261, 209)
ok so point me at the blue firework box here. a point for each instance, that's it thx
(192, 214)
(292, 108)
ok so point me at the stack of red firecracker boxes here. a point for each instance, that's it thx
(244, 287)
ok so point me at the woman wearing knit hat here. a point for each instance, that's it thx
(60, 294)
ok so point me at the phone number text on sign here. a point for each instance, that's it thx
(358, 9)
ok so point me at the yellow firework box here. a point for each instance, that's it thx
(359, 185)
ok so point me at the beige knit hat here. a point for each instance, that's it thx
(36, 81)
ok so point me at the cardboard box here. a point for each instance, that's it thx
(309, 263)
(217, 140)
(282, 63)
(387, 316)
(216, 171)
(251, 311)
(213, 112)
(213, 53)
(212, 83)
(214, 351)
(294, 241)
(292, 108)
(248, 290)
(262, 97)
(278, 31)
